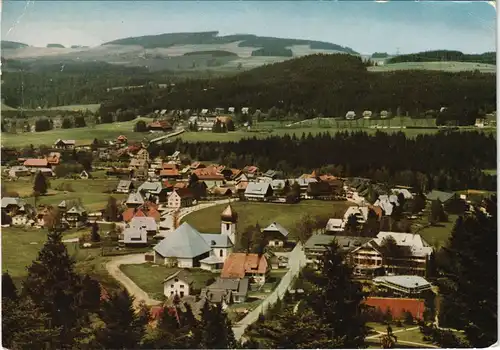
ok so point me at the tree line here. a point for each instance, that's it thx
(450, 161)
(446, 55)
(329, 85)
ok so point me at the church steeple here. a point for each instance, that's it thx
(229, 215)
(228, 223)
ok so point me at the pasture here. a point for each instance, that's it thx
(21, 246)
(82, 135)
(250, 213)
(439, 66)
(93, 193)
(91, 108)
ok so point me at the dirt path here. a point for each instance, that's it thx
(113, 267)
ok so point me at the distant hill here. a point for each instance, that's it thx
(328, 84)
(5, 44)
(380, 55)
(204, 38)
(446, 55)
(59, 46)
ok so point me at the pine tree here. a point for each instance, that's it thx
(337, 299)
(94, 234)
(40, 184)
(292, 330)
(57, 290)
(111, 210)
(9, 289)
(123, 328)
(470, 268)
(25, 326)
(216, 331)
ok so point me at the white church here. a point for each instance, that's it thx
(185, 247)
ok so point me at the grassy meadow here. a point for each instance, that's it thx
(82, 135)
(20, 247)
(92, 192)
(249, 213)
(150, 277)
(438, 66)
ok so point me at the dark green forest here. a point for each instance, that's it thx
(326, 84)
(281, 52)
(5, 44)
(446, 55)
(59, 46)
(442, 161)
(247, 40)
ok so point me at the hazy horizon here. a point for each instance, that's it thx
(366, 27)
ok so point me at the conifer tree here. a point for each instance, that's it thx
(56, 289)
(40, 185)
(9, 289)
(123, 328)
(216, 331)
(337, 299)
(470, 269)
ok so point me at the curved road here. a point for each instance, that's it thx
(113, 266)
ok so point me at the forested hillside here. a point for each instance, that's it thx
(5, 44)
(246, 40)
(445, 55)
(326, 84)
(392, 158)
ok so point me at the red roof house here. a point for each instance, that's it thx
(239, 265)
(36, 163)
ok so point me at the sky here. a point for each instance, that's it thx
(365, 26)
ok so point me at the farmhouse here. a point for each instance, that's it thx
(334, 226)
(258, 191)
(275, 234)
(387, 203)
(76, 216)
(180, 198)
(226, 291)
(135, 237)
(240, 265)
(161, 125)
(134, 200)
(124, 186)
(35, 164)
(178, 283)
(317, 245)
(64, 144)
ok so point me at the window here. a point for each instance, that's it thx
(171, 286)
(172, 293)
(176, 280)
(181, 286)
(182, 294)
(221, 253)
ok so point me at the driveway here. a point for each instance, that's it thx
(113, 267)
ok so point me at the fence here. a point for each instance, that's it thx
(297, 260)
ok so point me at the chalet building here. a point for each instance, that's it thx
(64, 144)
(35, 164)
(411, 257)
(160, 126)
(76, 216)
(241, 265)
(275, 234)
(180, 198)
(180, 283)
(258, 191)
(317, 245)
(226, 291)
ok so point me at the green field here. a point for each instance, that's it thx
(21, 246)
(82, 135)
(90, 192)
(441, 66)
(438, 235)
(92, 108)
(249, 213)
(150, 277)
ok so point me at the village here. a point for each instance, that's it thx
(148, 208)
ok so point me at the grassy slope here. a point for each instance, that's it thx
(91, 192)
(150, 277)
(208, 220)
(83, 135)
(440, 66)
(92, 108)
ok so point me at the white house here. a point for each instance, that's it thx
(334, 225)
(177, 284)
(258, 191)
(180, 198)
(276, 235)
(350, 115)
